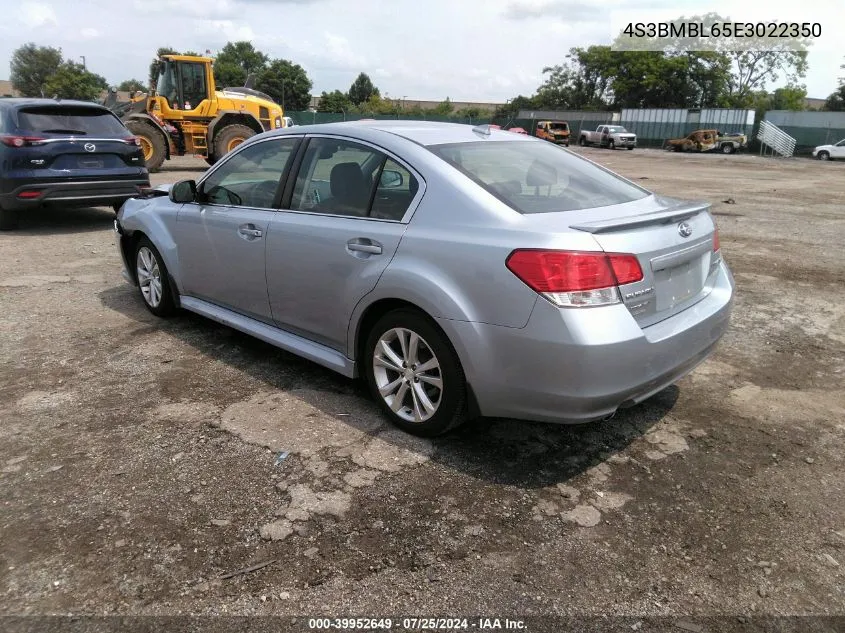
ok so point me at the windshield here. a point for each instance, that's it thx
(558, 126)
(166, 84)
(70, 120)
(615, 129)
(533, 177)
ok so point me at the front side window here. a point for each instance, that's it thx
(533, 177)
(250, 177)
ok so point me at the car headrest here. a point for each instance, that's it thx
(540, 175)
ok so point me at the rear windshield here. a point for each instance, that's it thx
(537, 177)
(70, 120)
(559, 126)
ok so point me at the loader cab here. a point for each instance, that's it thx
(184, 84)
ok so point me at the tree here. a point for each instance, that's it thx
(236, 61)
(790, 97)
(32, 66)
(131, 85)
(335, 101)
(512, 108)
(836, 101)
(362, 89)
(444, 108)
(73, 81)
(287, 83)
(753, 69)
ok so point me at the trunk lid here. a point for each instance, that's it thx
(672, 240)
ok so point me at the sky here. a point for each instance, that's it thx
(467, 50)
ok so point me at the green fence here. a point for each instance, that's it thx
(311, 118)
(649, 133)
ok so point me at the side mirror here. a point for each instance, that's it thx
(183, 192)
(391, 179)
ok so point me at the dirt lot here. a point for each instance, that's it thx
(139, 456)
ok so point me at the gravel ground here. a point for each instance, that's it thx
(138, 456)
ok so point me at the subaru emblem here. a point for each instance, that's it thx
(684, 229)
(90, 147)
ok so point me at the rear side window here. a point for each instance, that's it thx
(536, 177)
(70, 120)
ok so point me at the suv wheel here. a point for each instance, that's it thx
(414, 374)
(153, 280)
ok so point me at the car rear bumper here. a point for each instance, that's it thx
(73, 193)
(579, 365)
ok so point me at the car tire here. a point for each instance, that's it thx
(824, 155)
(630, 148)
(727, 148)
(611, 144)
(230, 137)
(153, 279)
(396, 331)
(8, 219)
(152, 143)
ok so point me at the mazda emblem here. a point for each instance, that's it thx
(684, 229)
(90, 147)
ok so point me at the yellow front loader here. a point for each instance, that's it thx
(186, 114)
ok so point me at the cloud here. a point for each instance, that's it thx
(35, 14)
(571, 12)
(89, 33)
(222, 31)
(207, 9)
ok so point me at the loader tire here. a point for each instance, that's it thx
(229, 138)
(152, 143)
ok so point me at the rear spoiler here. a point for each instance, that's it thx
(675, 213)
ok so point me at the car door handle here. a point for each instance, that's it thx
(364, 246)
(249, 230)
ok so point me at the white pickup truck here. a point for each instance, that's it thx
(611, 136)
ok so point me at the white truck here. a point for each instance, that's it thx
(610, 136)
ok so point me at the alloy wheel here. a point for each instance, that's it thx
(407, 374)
(149, 276)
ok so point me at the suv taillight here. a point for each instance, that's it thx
(574, 278)
(132, 140)
(19, 141)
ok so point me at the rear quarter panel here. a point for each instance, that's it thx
(451, 260)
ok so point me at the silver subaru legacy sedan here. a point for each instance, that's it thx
(461, 271)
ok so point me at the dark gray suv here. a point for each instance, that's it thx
(68, 153)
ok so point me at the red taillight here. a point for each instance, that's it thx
(133, 140)
(570, 271)
(716, 245)
(29, 195)
(19, 141)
